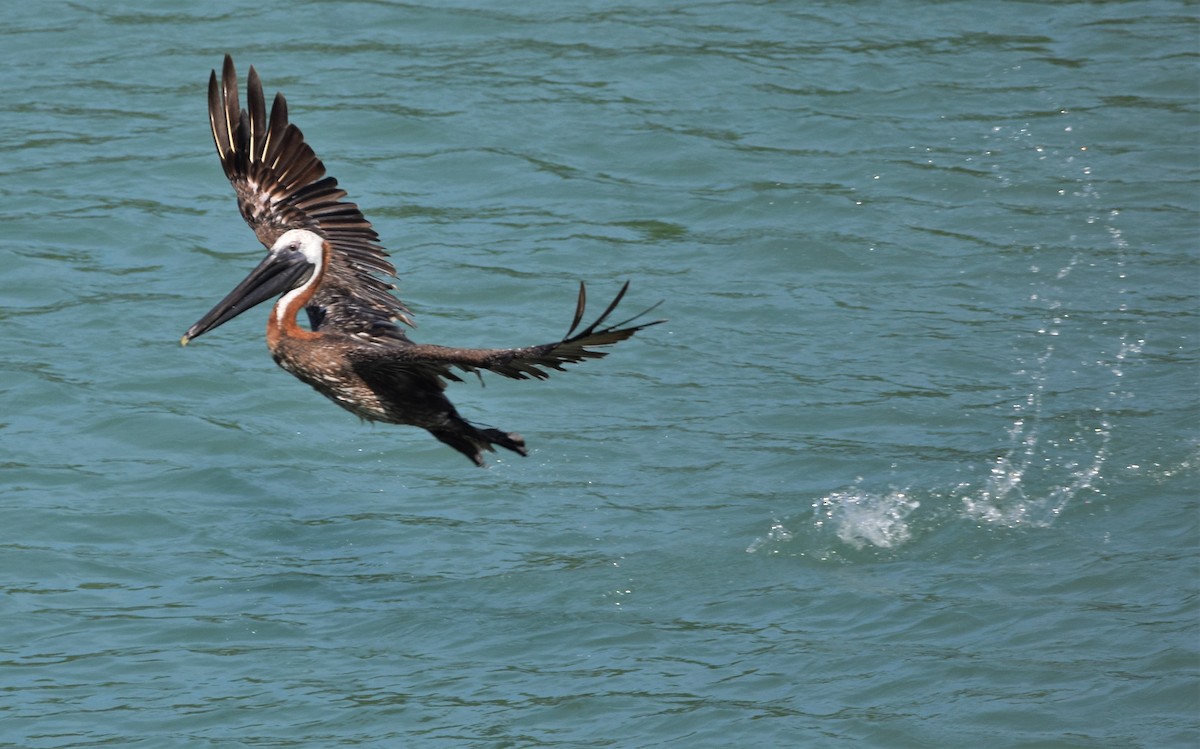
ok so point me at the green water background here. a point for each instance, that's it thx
(914, 463)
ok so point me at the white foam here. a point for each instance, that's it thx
(861, 518)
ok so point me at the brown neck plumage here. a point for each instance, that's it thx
(282, 322)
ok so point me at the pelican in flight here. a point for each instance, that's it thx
(324, 258)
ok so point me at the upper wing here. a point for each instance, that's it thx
(518, 363)
(281, 185)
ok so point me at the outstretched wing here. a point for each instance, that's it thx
(517, 363)
(281, 185)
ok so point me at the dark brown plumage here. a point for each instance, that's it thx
(324, 257)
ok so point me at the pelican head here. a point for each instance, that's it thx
(293, 262)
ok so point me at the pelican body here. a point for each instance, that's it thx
(324, 259)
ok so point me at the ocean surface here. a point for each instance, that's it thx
(914, 463)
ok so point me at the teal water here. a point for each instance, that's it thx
(914, 463)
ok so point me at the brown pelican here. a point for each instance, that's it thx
(324, 258)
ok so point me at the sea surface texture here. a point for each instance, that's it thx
(914, 463)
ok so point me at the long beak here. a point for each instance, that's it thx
(277, 273)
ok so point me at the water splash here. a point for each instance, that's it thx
(861, 518)
(1056, 480)
(1052, 456)
(857, 517)
(1050, 459)
(777, 534)
(1058, 464)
